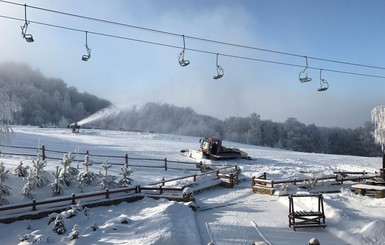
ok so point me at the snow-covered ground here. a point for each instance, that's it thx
(223, 216)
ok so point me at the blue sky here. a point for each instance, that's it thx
(131, 73)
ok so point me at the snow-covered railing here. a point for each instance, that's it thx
(263, 181)
(48, 154)
(9, 213)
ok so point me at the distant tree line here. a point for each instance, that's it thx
(37, 100)
(291, 134)
(45, 101)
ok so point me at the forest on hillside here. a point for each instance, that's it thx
(40, 101)
(291, 134)
(45, 101)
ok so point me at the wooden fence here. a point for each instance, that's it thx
(38, 209)
(47, 154)
(266, 186)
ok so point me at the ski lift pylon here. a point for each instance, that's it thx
(303, 78)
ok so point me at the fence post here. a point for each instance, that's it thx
(165, 164)
(163, 181)
(252, 181)
(107, 194)
(137, 189)
(33, 205)
(218, 174)
(160, 189)
(195, 178)
(73, 199)
(126, 159)
(231, 180)
(43, 152)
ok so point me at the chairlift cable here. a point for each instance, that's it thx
(190, 49)
(195, 38)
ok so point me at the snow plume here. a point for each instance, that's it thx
(102, 114)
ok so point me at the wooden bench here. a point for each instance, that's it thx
(363, 189)
(304, 219)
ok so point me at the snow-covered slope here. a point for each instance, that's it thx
(224, 216)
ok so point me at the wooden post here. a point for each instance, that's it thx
(231, 180)
(126, 159)
(382, 170)
(43, 152)
(73, 199)
(107, 194)
(195, 178)
(252, 181)
(160, 189)
(163, 181)
(165, 164)
(33, 205)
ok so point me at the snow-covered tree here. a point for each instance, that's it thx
(8, 107)
(39, 180)
(59, 225)
(125, 180)
(20, 170)
(65, 177)
(56, 189)
(4, 190)
(108, 181)
(86, 177)
(74, 234)
(29, 186)
(378, 117)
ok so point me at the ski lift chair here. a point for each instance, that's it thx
(324, 85)
(87, 56)
(220, 71)
(303, 78)
(26, 36)
(182, 61)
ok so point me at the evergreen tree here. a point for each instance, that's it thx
(56, 189)
(4, 189)
(107, 182)
(20, 170)
(125, 180)
(59, 225)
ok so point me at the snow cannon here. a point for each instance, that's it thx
(74, 127)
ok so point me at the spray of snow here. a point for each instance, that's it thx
(102, 114)
(378, 117)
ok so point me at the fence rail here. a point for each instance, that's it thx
(43, 153)
(227, 174)
(263, 181)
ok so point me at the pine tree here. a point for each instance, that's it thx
(20, 170)
(74, 234)
(107, 182)
(125, 180)
(39, 179)
(59, 225)
(86, 177)
(65, 178)
(56, 189)
(4, 190)
(29, 187)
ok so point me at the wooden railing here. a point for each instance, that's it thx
(154, 189)
(263, 181)
(47, 154)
